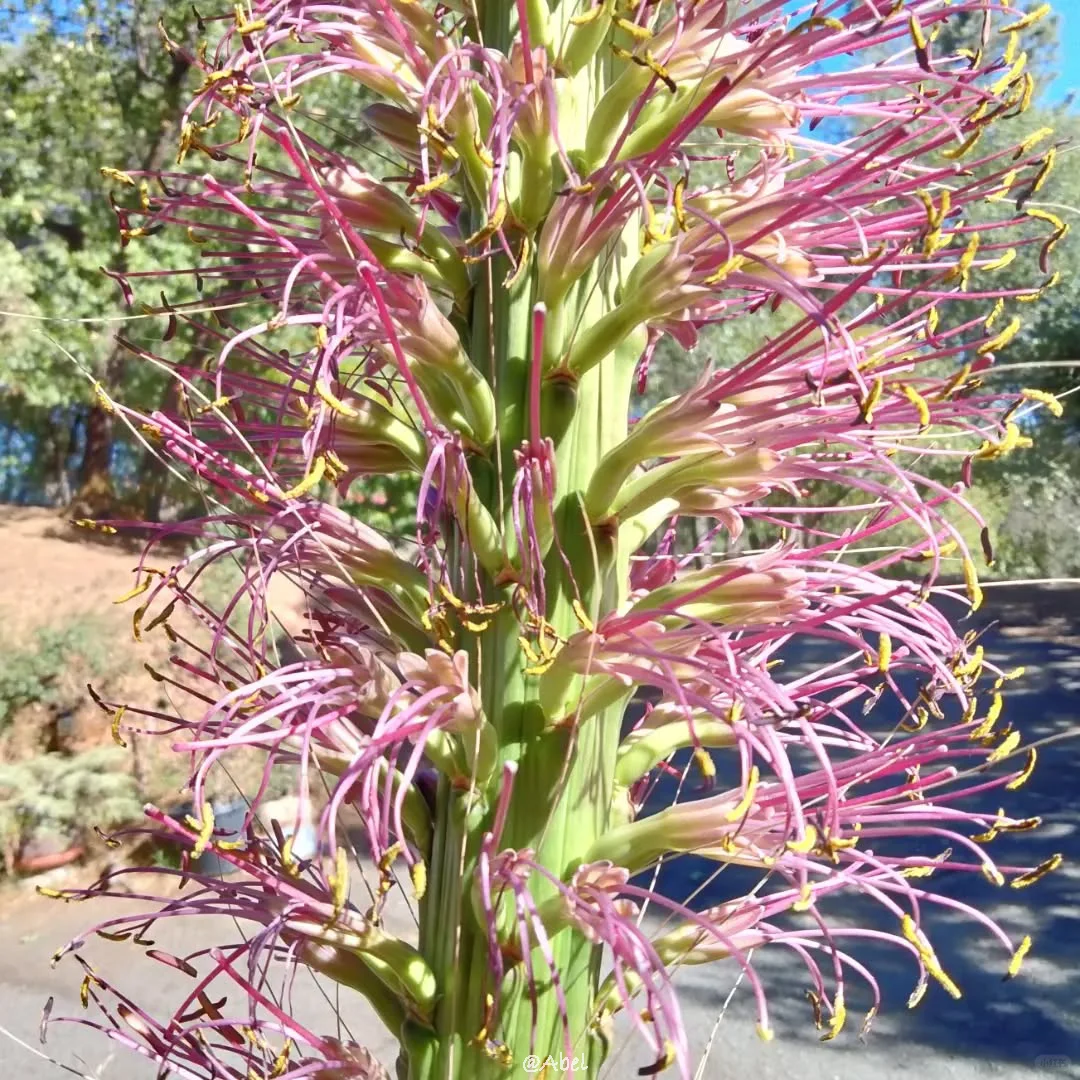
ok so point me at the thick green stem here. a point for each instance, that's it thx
(565, 765)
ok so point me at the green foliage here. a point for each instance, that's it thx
(65, 795)
(35, 673)
(386, 503)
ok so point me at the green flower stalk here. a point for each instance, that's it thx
(568, 183)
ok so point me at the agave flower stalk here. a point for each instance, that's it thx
(568, 183)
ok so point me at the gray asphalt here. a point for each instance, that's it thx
(1027, 1027)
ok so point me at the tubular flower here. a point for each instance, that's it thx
(561, 186)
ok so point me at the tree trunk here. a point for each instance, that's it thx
(95, 496)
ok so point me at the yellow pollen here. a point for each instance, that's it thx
(1018, 957)
(583, 616)
(744, 804)
(310, 481)
(1040, 871)
(204, 828)
(1030, 19)
(1001, 262)
(971, 581)
(884, 652)
(1025, 774)
(806, 844)
(1049, 400)
(1010, 743)
(706, 765)
(1002, 339)
(418, 873)
(433, 184)
(921, 407)
(117, 717)
(334, 402)
(873, 396)
(1007, 182)
(839, 1016)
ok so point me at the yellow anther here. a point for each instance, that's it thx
(635, 30)
(1002, 339)
(1041, 396)
(997, 703)
(868, 403)
(872, 255)
(1007, 182)
(493, 225)
(962, 269)
(943, 551)
(1018, 957)
(918, 721)
(918, 36)
(1011, 46)
(205, 829)
(1027, 91)
(138, 590)
(582, 616)
(117, 175)
(339, 881)
(806, 844)
(51, 894)
(1045, 169)
(983, 730)
(1001, 262)
(736, 262)
(1024, 775)
(117, 717)
(433, 184)
(765, 1034)
(1010, 743)
(1027, 20)
(821, 22)
(929, 958)
(1040, 871)
(1010, 76)
(972, 666)
(739, 811)
(589, 16)
(334, 402)
(838, 1018)
(242, 24)
(483, 153)
(288, 862)
(680, 208)
(918, 871)
(960, 151)
(523, 261)
(310, 481)
(971, 582)
(921, 406)
(884, 652)
(418, 873)
(706, 765)
(1032, 141)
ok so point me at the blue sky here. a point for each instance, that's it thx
(1068, 64)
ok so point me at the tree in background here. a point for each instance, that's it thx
(83, 87)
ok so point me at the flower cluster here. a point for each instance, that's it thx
(568, 183)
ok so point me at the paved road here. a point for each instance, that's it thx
(1026, 1028)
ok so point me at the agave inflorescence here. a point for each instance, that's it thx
(574, 181)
